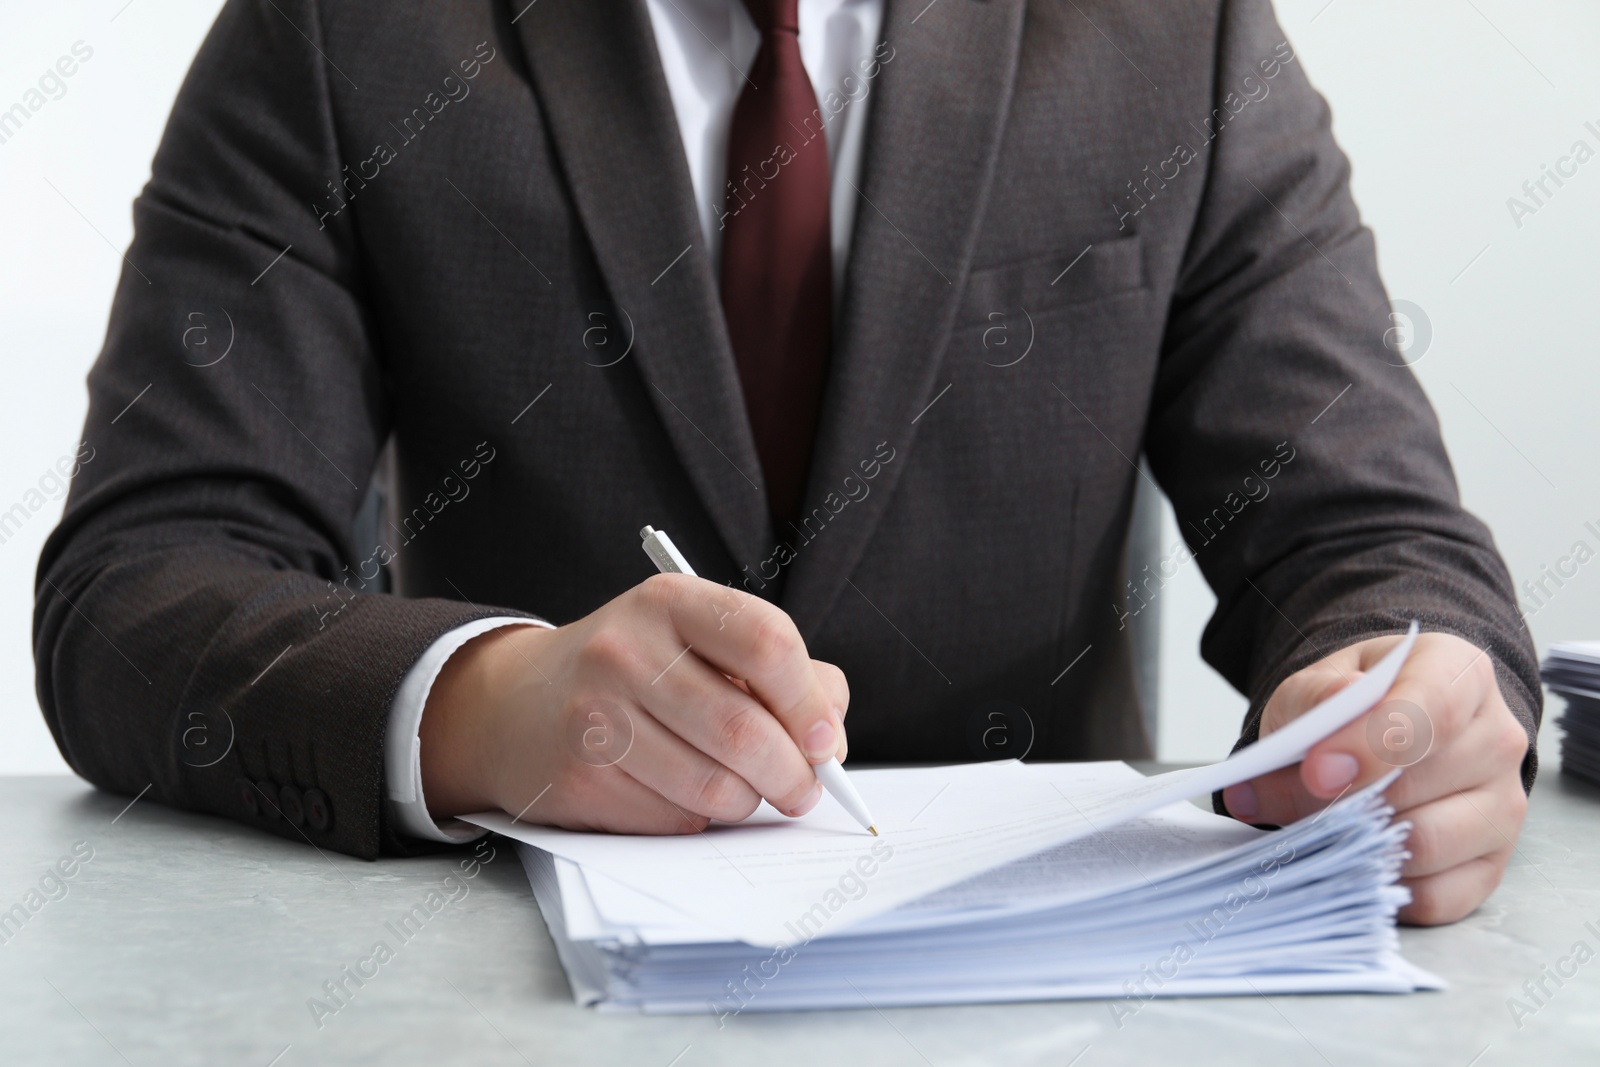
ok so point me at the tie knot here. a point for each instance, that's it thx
(772, 16)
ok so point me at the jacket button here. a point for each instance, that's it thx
(318, 809)
(289, 803)
(267, 797)
(247, 796)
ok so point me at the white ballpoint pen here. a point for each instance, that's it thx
(668, 560)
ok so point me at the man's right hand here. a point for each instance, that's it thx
(678, 702)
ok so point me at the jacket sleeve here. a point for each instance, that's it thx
(204, 626)
(1304, 462)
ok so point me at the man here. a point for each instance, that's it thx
(873, 305)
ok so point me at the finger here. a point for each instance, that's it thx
(838, 690)
(761, 645)
(1448, 832)
(1491, 747)
(1280, 797)
(1277, 798)
(1483, 760)
(833, 681)
(664, 763)
(834, 684)
(1453, 894)
(697, 702)
(1422, 711)
(1304, 690)
(605, 799)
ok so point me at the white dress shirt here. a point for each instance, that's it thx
(706, 46)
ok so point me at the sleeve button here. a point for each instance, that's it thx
(289, 803)
(248, 797)
(318, 809)
(267, 797)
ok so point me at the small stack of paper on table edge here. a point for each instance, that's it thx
(990, 882)
(1572, 669)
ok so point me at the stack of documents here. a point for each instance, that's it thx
(1572, 669)
(990, 882)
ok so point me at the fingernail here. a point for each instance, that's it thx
(1240, 800)
(821, 740)
(808, 803)
(1334, 771)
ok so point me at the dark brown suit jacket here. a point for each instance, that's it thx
(1086, 231)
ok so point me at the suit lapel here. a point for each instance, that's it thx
(938, 110)
(598, 77)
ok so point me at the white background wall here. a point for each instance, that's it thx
(1445, 106)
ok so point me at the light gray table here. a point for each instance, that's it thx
(191, 940)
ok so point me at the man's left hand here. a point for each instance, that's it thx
(1446, 724)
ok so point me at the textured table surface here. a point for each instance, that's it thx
(190, 940)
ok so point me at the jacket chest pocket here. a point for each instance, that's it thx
(1040, 284)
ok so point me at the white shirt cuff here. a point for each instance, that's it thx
(402, 748)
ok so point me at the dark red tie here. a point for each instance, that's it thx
(777, 265)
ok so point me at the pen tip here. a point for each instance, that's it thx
(874, 830)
